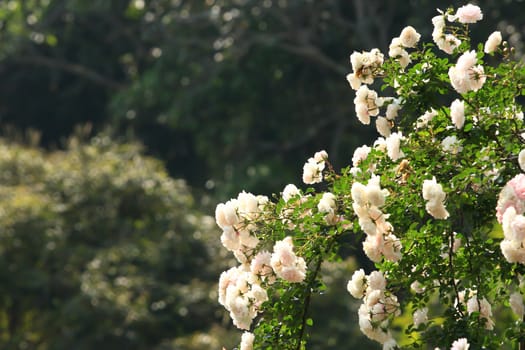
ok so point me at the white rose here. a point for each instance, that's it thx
(493, 41)
(457, 113)
(409, 37)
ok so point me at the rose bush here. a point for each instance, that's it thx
(424, 197)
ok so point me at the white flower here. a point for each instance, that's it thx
(261, 265)
(360, 154)
(354, 81)
(409, 37)
(420, 316)
(493, 41)
(465, 76)
(516, 303)
(426, 118)
(328, 205)
(433, 191)
(247, 205)
(445, 42)
(361, 111)
(416, 287)
(451, 144)
(404, 59)
(364, 65)
(393, 146)
(372, 247)
(357, 285)
(320, 156)
(435, 196)
(483, 307)
(457, 113)
(247, 341)
(366, 104)
(448, 43)
(312, 173)
(239, 296)
(226, 214)
(439, 27)
(383, 126)
(285, 263)
(460, 344)
(290, 191)
(359, 193)
(521, 159)
(395, 48)
(313, 168)
(468, 14)
(376, 281)
(392, 248)
(390, 344)
(392, 110)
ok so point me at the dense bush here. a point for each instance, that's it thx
(427, 197)
(100, 248)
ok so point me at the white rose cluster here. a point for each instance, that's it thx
(379, 305)
(367, 202)
(235, 218)
(466, 75)
(445, 41)
(313, 168)
(408, 38)
(285, 263)
(367, 104)
(448, 42)
(365, 66)
(435, 196)
(241, 294)
(242, 288)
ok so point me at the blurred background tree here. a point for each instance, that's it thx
(99, 247)
(225, 92)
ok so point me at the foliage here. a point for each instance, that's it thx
(100, 248)
(425, 195)
(228, 91)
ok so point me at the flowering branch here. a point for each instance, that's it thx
(423, 194)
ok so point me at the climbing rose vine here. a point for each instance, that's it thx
(438, 202)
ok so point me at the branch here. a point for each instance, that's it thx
(306, 305)
(314, 54)
(307, 51)
(73, 68)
